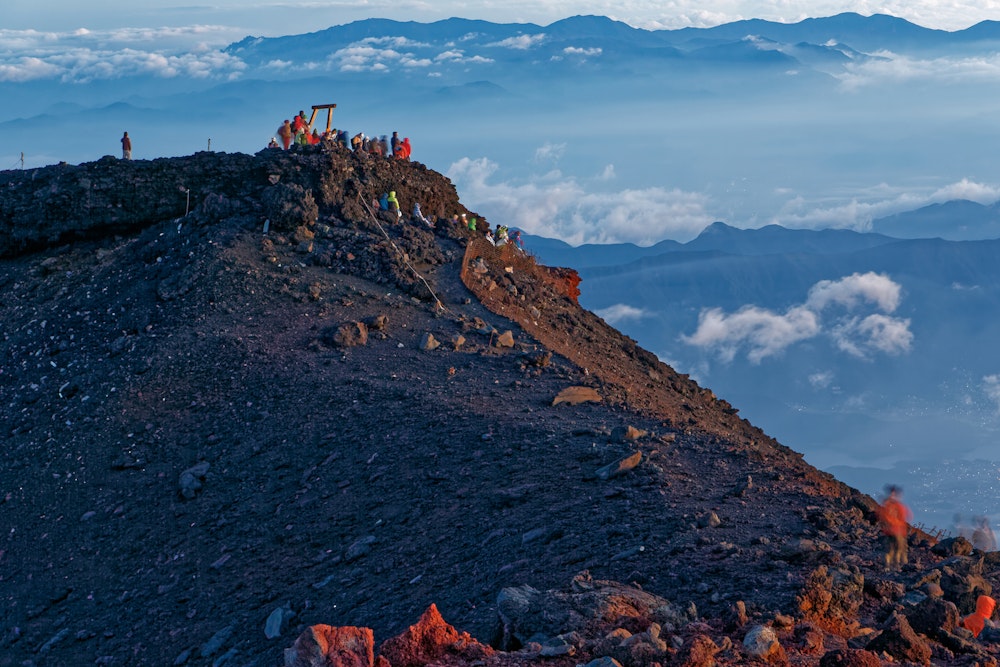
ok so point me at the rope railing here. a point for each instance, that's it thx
(402, 255)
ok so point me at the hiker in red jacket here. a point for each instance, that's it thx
(976, 621)
(894, 518)
(402, 151)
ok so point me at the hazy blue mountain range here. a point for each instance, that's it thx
(923, 410)
(763, 122)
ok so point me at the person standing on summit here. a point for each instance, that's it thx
(285, 133)
(126, 147)
(894, 518)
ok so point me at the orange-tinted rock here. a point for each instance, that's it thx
(577, 395)
(430, 640)
(698, 652)
(850, 658)
(328, 646)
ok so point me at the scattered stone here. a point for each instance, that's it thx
(736, 616)
(190, 482)
(527, 614)
(884, 589)
(277, 621)
(628, 553)
(55, 639)
(953, 546)
(620, 467)
(359, 548)
(457, 341)
(540, 360)
(213, 645)
(700, 651)
(349, 334)
(577, 395)
(429, 342)
(741, 489)
(506, 339)
(850, 657)
(783, 621)
(900, 641)
(605, 661)
(762, 642)
(831, 598)
(377, 323)
(931, 616)
(710, 520)
(810, 639)
(962, 582)
(627, 434)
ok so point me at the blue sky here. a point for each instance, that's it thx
(275, 17)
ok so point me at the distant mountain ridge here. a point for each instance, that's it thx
(846, 34)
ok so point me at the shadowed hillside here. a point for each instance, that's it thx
(217, 438)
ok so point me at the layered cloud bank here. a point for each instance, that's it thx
(834, 310)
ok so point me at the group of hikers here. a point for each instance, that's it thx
(894, 518)
(298, 132)
(389, 202)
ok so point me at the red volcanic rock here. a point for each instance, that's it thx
(850, 658)
(700, 651)
(565, 281)
(328, 646)
(431, 640)
(900, 641)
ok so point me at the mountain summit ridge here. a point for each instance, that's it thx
(233, 421)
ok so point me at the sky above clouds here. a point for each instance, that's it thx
(278, 17)
(80, 42)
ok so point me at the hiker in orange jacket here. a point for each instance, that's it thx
(976, 621)
(894, 518)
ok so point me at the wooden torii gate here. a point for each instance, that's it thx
(329, 114)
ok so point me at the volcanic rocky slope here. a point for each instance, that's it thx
(238, 404)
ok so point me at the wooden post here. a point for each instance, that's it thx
(329, 115)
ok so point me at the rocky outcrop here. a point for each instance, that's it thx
(56, 204)
(431, 640)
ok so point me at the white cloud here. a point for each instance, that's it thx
(991, 387)
(85, 55)
(874, 333)
(609, 173)
(398, 42)
(850, 291)
(520, 42)
(764, 333)
(550, 151)
(579, 51)
(28, 69)
(889, 68)
(620, 312)
(370, 55)
(821, 380)
(877, 202)
(562, 208)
